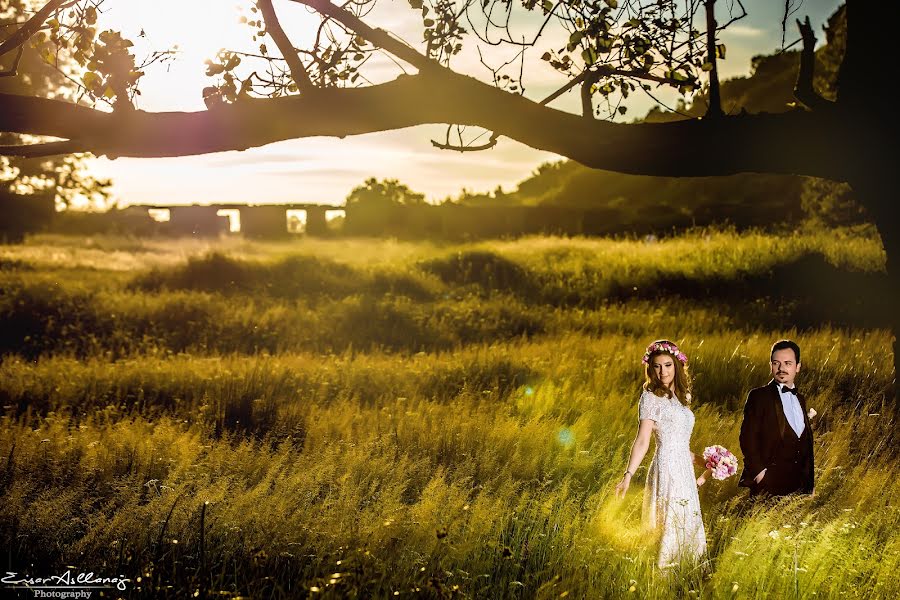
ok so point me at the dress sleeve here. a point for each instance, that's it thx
(649, 407)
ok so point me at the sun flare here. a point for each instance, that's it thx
(195, 29)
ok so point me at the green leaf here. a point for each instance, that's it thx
(263, 50)
(90, 15)
(546, 56)
(589, 55)
(416, 4)
(547, 6)
(90, 79)
(707, 66)
(576, 38)
(720, 51)
(428, 22)
(605, 44)
(614, 4)
(623, 110)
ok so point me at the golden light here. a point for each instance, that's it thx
(234, 218)
(198, 29)
(296, 220)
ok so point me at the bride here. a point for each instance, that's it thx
(671, 502)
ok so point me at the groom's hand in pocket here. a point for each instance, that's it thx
(759, 477)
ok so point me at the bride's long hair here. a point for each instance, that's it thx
(682, 381)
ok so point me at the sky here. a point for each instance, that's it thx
(325, 170)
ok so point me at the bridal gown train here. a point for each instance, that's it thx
(671, 502)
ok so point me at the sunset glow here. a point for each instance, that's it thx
(324, 169)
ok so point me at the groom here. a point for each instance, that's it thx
(776, 438)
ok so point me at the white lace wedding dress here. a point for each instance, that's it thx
(671, 502)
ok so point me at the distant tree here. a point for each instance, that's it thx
(831, 204)
(21, 215)
(496, 198)
(380, 208)
(546, 181)
(383, 194)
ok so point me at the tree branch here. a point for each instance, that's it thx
(587, 105)
(492, 141)
(14, 69)
(867, 45)
(273, 27)
(377, 37)
(804, 90)
(784, 143)
(715, 96)
(604, 71)
(42, 150)
(30, 27)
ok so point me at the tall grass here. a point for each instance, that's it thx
(350, 458)
(292, 300)
(700, 253)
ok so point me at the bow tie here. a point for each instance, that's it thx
(786, 390)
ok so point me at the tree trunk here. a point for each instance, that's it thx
(877, 192)
(869, 132)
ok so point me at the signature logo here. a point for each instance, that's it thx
(65, 580)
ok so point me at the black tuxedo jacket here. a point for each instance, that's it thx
(769, 442)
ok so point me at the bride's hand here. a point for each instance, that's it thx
(623, 486)
(702, 479)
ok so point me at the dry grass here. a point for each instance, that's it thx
(481, 467)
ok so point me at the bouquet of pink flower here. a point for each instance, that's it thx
(722, 462)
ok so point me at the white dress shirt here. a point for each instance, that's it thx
(792, 411)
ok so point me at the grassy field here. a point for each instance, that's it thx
(373, 418)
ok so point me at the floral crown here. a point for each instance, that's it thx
(664, 347)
